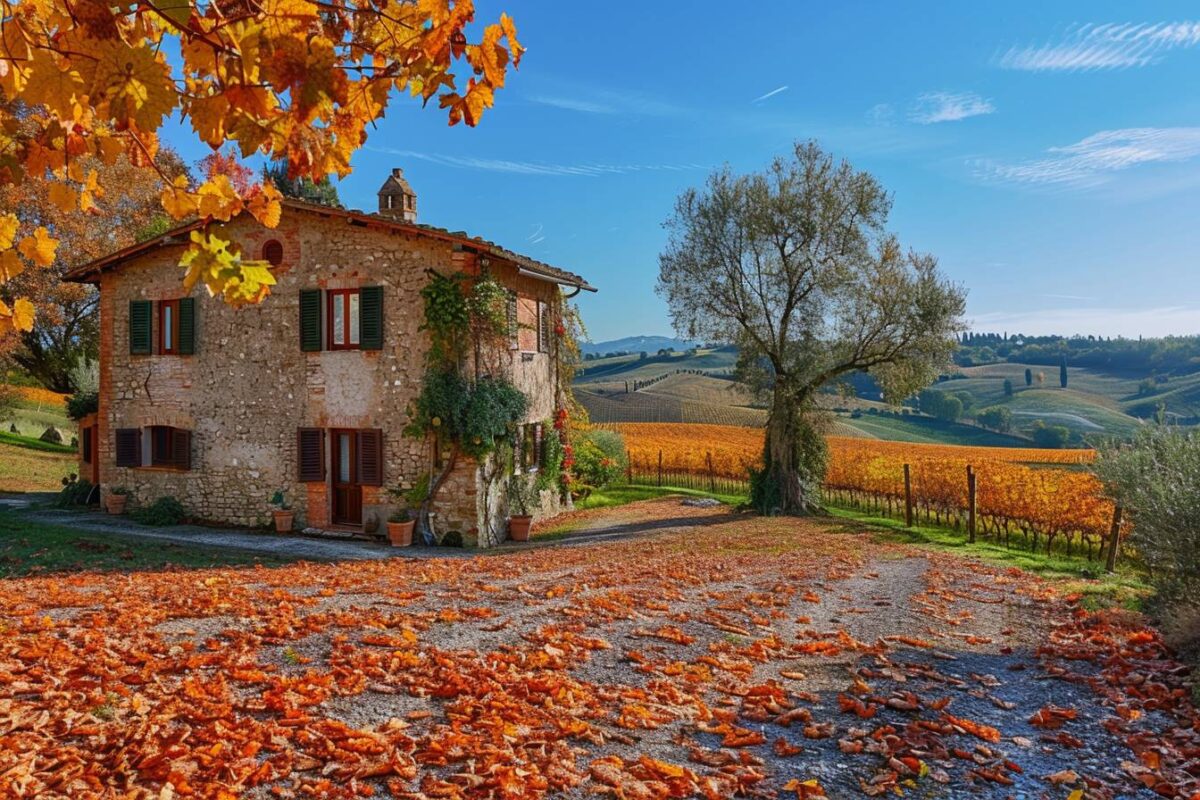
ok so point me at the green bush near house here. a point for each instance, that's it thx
(600, 457)
(163, 511)
(76, 491)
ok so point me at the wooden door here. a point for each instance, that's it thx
(347, 491)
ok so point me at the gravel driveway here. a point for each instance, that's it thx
(732, 657)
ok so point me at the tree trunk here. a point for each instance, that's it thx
(794, 458)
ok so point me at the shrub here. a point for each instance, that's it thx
(163, 511)
(600, 457)
(997, 418)
(81, 404)
(75, 492)
(1050, 436)
(1157, 479)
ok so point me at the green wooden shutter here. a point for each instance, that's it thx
(187, 326)
(310, 320)
(140, 336)
(370, 318)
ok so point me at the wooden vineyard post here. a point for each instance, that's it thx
(971, 504)
(660, 467)
(629, 467)
(907, 497)
(1114, 540)
(712, 476)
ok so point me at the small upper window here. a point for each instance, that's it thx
(168, 327)
(272, 252)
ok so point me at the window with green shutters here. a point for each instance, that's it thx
(141, 338)
(353, 318)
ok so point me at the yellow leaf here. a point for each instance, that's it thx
(223, 272)
(178, 11)
(63, 196)
(265, 205)
(510, 33)
(19, 317)
(11, 265)
(1076, 795)
(218, 199)
(177, 200)
(39, 248)
(47, 85)
(8, 230)
(136, 83)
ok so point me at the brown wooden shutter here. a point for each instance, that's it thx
(370, 456)
(181, 448)
(310, 454)
(129, 447)
(510, 310)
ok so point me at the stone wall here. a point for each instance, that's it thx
(248, 387)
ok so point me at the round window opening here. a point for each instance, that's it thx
(272, 253)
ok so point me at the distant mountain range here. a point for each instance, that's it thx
(636, 344)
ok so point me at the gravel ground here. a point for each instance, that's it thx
(650, 645)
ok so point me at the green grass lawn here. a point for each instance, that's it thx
(32, 419)
(25, 468)
(1126, 587)
(32, 548)
(33, 443)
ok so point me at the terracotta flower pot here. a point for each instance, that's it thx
(283, 520)
(518, 527)
(400, 533)
(115, 503)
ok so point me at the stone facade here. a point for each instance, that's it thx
(249, 387)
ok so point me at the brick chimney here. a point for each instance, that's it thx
(397, 199)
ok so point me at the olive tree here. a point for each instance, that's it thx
(1156, 478)
(794, 265)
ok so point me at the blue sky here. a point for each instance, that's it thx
(1048, 154)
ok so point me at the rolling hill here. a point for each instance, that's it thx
(695, 386)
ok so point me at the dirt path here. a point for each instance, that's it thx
(720, 656)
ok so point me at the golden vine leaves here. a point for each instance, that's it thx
(294, 80)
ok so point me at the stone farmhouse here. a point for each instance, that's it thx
(309, 391)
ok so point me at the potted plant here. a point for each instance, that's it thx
(283, 514)
(117, 497)
(523, 497)
(403, 520)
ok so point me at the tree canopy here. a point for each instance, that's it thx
(298, 81)
(794, 265)
(65, 331)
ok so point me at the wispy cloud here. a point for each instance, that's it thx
(534, 167)
(1097, 158)
(1109, 46)
(771, 93)
(934, 107)
(1078, 297)
(573, 104)
(1130, 322)
(881, 114)
(536, 236)
(606, 101)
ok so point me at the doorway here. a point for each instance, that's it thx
(347, 491)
